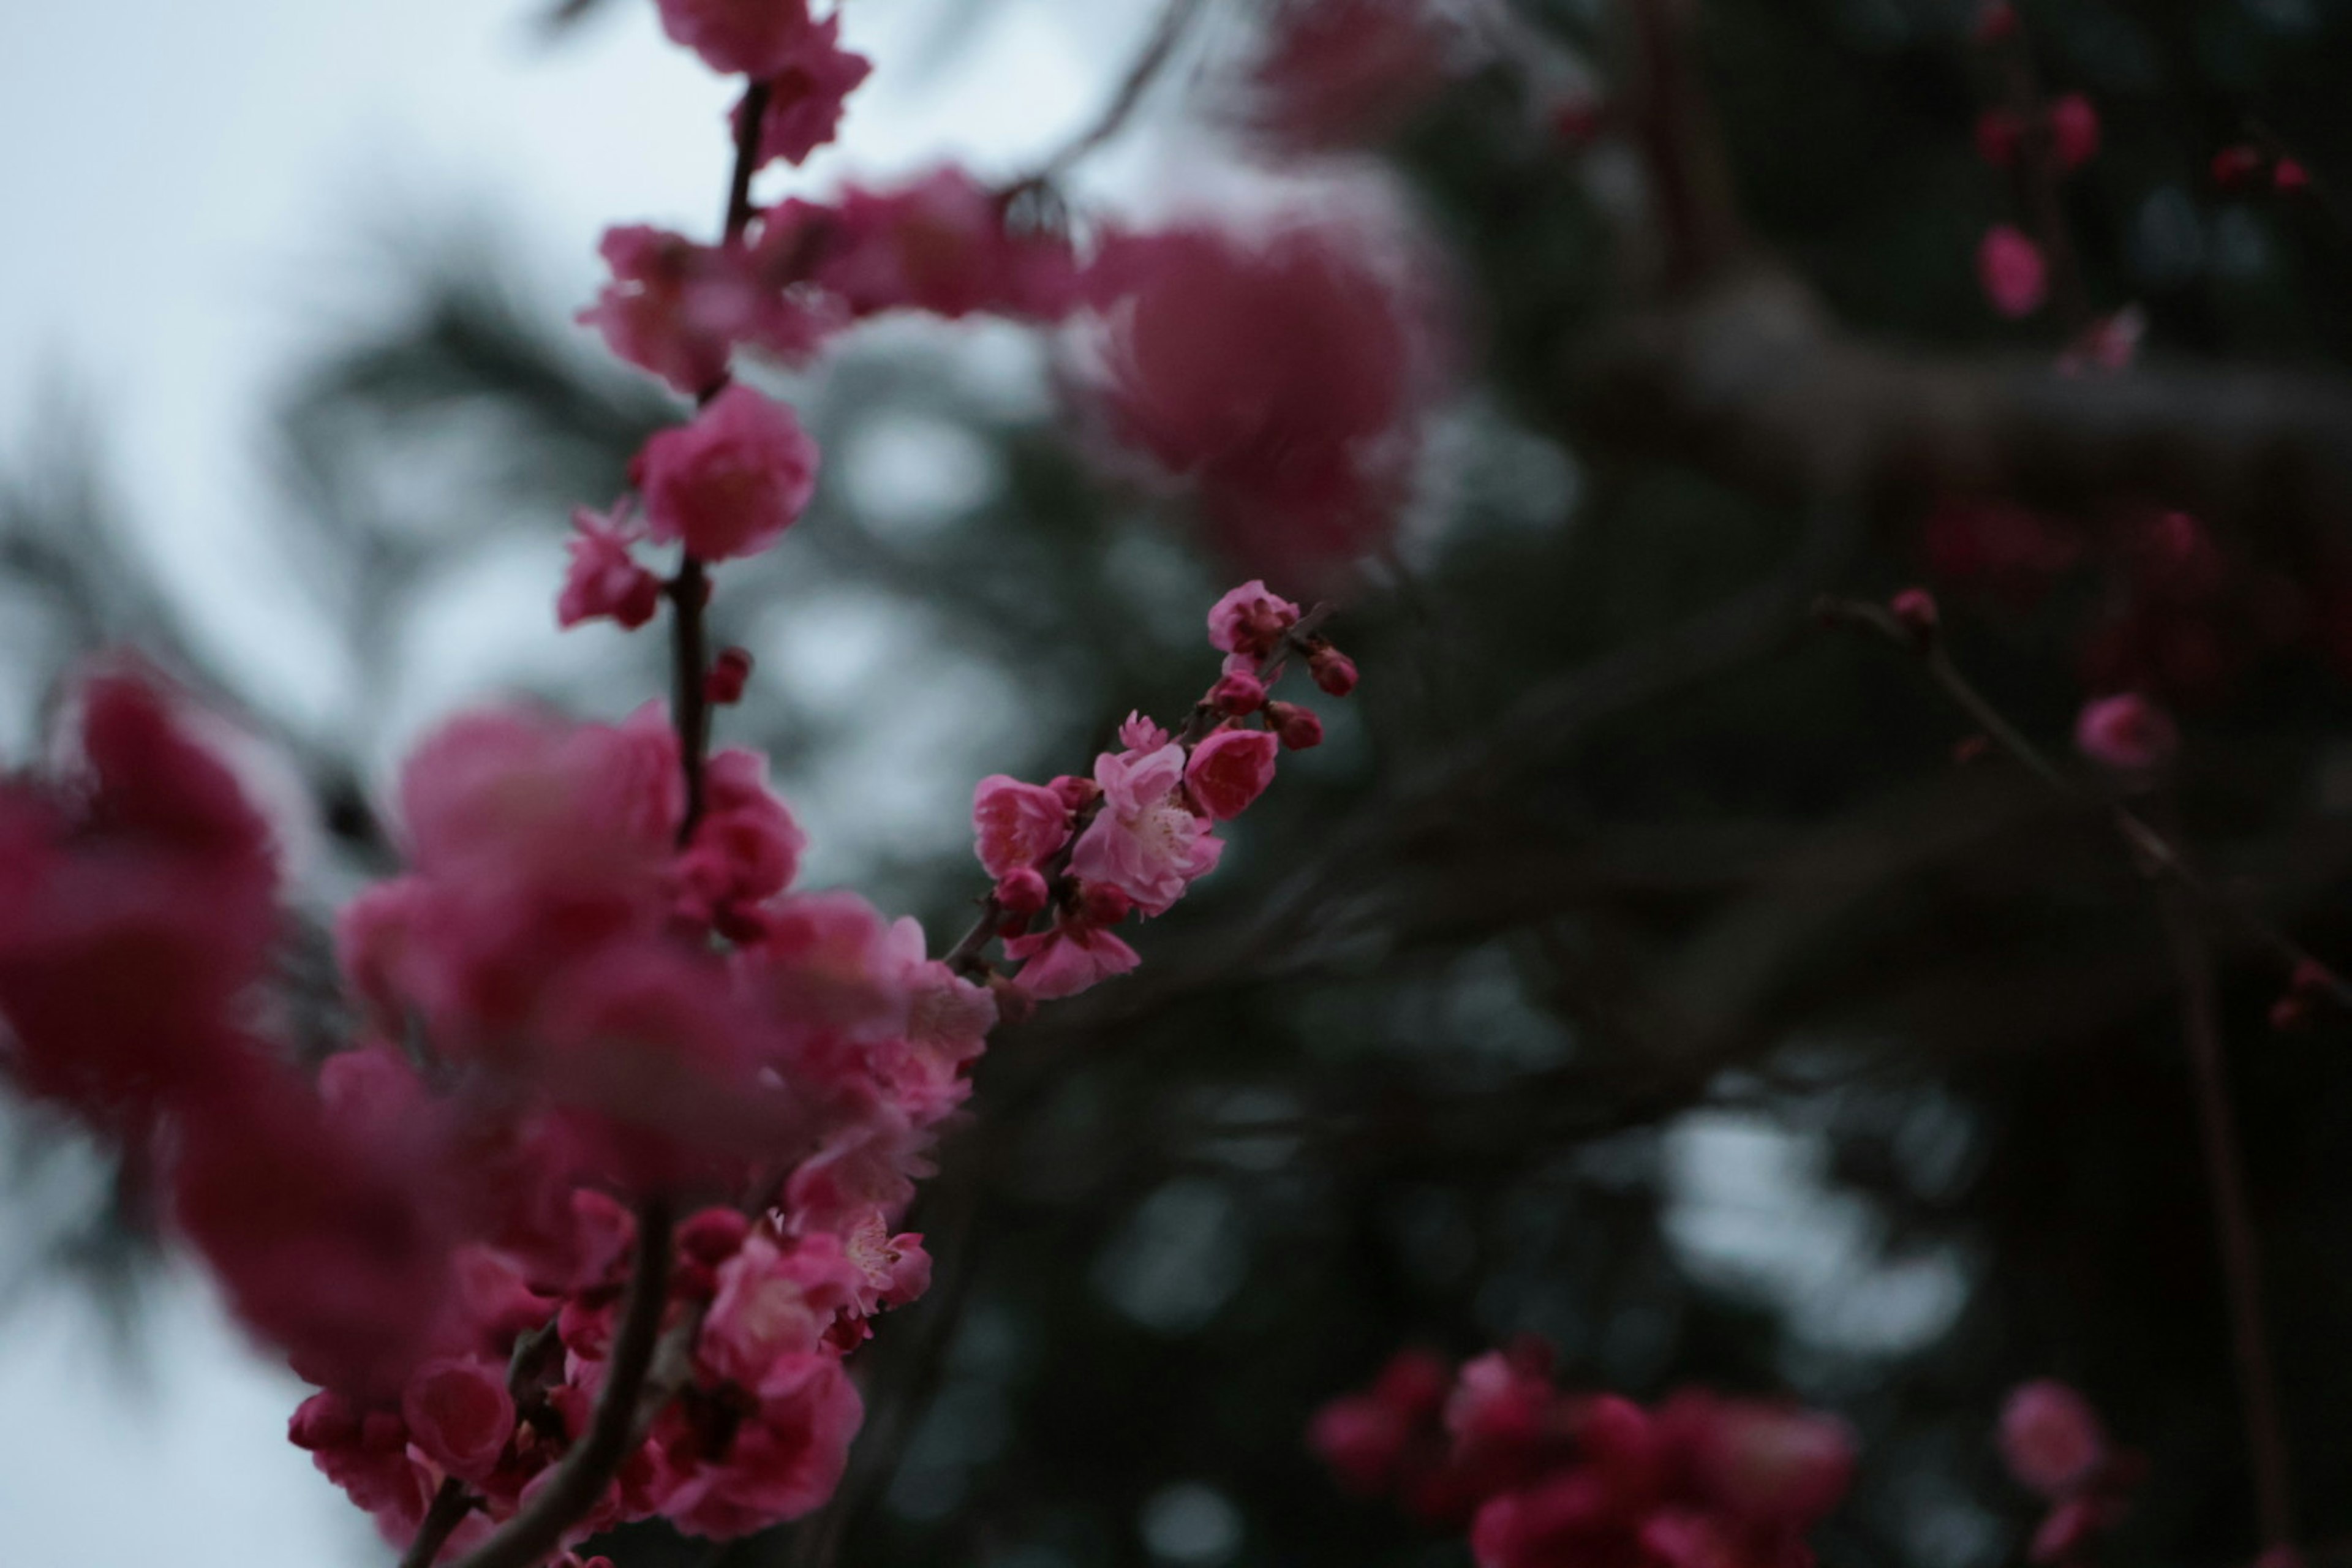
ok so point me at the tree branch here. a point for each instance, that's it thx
(532, 1535)
(1752, 382)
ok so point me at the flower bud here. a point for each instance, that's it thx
(1076, 791)
(1298, 727)
(1334, 671)
(1237, 695)
(1915, 610)
(1022, 892)
(729, 672)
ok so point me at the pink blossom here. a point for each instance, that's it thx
(1146, 841)
(1300, 729)
(2051, 1438)
(677, 308)
(738, 38)
(1249, 621)
(806, 91)
(942, 246)
(774, 1303)
(1289, 378)
(1022, 892)
(1333, 672)
(603, 579)
(2127, 732)
(1015, 823)
(1140, 733)
(1997, 137)
(747, 846)
(728, 674)
(1231, 769)
(1068, 958)
(459, 1414)
(2012, 271)
(1336, 72)
(1237, 695)
(2074, 131)
(785, 1461)
(730, 483)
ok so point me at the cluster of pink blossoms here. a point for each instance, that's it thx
(1131, 839)
(1552, 1480)
(578, 1225)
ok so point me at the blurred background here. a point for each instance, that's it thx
(1634, 967)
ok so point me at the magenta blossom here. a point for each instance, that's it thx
(604, 580)
(1231, 769)
(1068, 958)
(1016, 824)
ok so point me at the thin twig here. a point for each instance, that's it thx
(1175, 19)
(2158, 856)
(2233, 1226)
(690, 597)
(532, 1536)
(450, 1505)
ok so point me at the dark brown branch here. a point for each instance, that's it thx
(690, 597)
(532, 1536)
(2233, 1226)
(450, 1505)
(1753, 383)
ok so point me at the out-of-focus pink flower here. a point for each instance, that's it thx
(730, 673)
(603, 579)
(2008, 551)
(942, 246)
(775, 1304)
(2051, 1438)
(1231, 769)
(1336, 73)
(2233, 166)
(677, 308)
(2012, 271)
(805, 93)
(1997, 137)
(738, 38)
(1068, 958)
(731, 482)
(459, 1412)
(2127, 733)
(2074, 131)
(784, 1462)
(747, 846)
(1289, 378)
(1016, 824)
(1146, 841)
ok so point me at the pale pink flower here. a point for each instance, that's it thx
(730, 482)
(1231, 769)
(772, 1302)
(1015, 823)
(1146, 840)
(1140, 733)
(1247, 622)
(942, 246)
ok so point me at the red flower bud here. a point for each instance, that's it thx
(729, 672)
(1298, 727)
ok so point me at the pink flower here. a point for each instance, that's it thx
(677, 308)
(784, 1462)
(459, 1412)
(1067, 960)
(2074, 131)
(1249, 621)
(806, 91)
(775, 1304)
(2127, 732)
(2051, 1438)
(603, 579)
(2012, 271)
(942, 245)
(1341, 71)
(1015, 825)
(1290, 378)
(1141, 734)
(730, 483)
(1997, 137)
(1146, 840)
(1231, 769)
(746, 848)
(738, 38)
